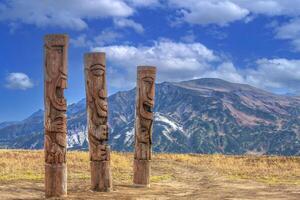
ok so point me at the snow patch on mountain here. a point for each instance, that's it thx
(129, 136)
(117, 136)
(76, 137)
(169, 125)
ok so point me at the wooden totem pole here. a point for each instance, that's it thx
(143, 125)
(56, 50)
(97, 115)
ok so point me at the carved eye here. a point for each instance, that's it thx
(148, 80)
(143, 130)
(98, 70)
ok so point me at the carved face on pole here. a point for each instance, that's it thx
(98, 93)
(55, 102)
(146, 96)
(56, 77)
(145, 106)
(95, 72)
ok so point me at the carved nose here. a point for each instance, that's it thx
(151, 93)
(63, 83)
(102, 93)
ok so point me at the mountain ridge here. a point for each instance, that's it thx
(197, 116)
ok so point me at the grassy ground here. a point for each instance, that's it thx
(169, 171)
(28, 165)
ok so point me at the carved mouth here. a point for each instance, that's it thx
(59, 98)
(59, 123)
(101, 104)
(59, 92)
(148, 107)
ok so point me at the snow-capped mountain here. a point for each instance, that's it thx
(199, 116)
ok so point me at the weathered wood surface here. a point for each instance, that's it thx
(97, 116)
(56, 50)
(142, 171)
(145, 92)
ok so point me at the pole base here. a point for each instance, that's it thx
(141, 173)
(55, 180)
(101, 179)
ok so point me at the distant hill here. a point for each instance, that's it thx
(198, 116)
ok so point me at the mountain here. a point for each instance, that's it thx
(197, 116)
(4, 124)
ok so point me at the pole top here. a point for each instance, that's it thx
(94, 54)
(146, 68)
(56, 39)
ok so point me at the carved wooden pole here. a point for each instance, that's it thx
(145, 92)
(97, 114)
(56, 50)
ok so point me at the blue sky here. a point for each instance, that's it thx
(256, 42)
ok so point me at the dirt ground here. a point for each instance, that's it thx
(184, 182)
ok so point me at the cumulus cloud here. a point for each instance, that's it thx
(222, 12)
(106, 37)
(271, 7)
(80, 41)
(175, 61)
(278, 73)
(143, 3)
(178, 61)
(68, 13)
(226, 71)
(18, 80)
(190, 37)
(209, 12)
(271, 74)
(75, 13)
(128, 23)
(290, 31)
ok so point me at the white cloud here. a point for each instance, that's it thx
(290, 31)
(80, 41)
(175, 61)
(226, 71)
(185, 61)
(189, 37)
(273, 74)
(271, 7)
(67, 13)
(223, 12)
(106, 37)
(128, 23)
(265, 7)
(143, 3)
(75, 13)
(209, 12)
(18, 80)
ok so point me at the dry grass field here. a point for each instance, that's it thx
(174, 176)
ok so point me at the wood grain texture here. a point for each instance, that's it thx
(142, 171)
(101, 180)
(56, 47)
(143, 125)
(97, 116)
